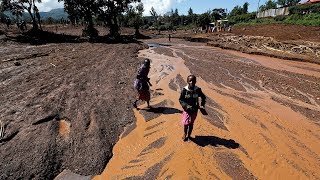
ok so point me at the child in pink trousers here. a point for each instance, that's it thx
(189, 100)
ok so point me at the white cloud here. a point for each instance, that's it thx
(161, 6)
(47, 5)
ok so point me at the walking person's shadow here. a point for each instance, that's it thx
(214, 141)
(154, 112)
(164, 110)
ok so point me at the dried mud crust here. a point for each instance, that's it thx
(281, 32)
(292, 42)
(298, 50)
(64, 110)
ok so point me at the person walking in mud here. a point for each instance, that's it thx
(169, 37)
(189, 100)
(8, 22)
(142, 83)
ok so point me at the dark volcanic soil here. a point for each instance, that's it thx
(65, 108)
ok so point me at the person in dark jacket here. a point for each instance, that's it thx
(189, 100)
(142, 83)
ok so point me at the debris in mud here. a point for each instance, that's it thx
(301, 51)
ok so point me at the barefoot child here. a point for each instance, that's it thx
(142, 83)
(189, 101)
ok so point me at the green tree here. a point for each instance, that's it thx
(237, 10)
(283, 3)
(107, 10)
(270, 4)
(72, 11)
(219, 13)
(191, 18)
(204, 19)
(190, 12)
(134, 15)
(245, 8)
(175, 18)
(154, 14)
(110, 10)
(86, 9)
(17, 7)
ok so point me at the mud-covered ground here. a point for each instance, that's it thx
(292, 42)
(261, 119)
(64, 106)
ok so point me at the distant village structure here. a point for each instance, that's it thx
(273, 12)
(281, 11)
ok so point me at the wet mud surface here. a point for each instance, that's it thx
(254, 125)
(67, 110)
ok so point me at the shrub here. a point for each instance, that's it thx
(312, 19)
(305, 9)
(162, 28)
(294, 17)
(242, 18)
(145, 26)
(280, 18)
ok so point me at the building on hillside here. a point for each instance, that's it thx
(273, 12)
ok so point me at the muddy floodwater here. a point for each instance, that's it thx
(262, 118)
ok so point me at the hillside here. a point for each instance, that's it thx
(54, 13)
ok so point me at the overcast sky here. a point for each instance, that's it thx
(163, 6)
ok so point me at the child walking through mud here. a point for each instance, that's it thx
(189, 100)
(142, 83)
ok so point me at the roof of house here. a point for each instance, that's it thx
(310, 1)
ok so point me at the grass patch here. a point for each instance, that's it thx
(312, 19)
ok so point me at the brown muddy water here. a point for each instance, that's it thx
(262, 119)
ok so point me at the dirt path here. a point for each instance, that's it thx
(262, 119)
